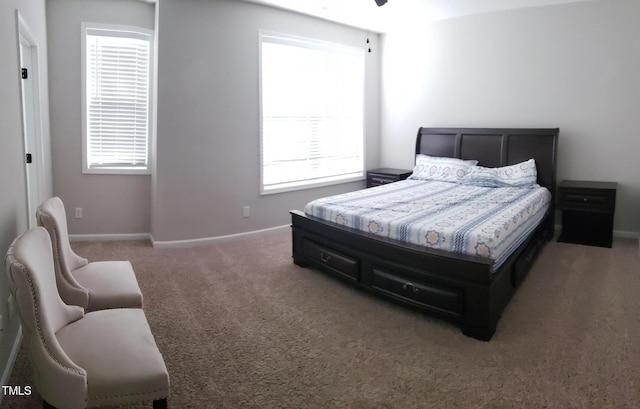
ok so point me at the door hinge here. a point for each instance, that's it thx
(25, 73)
(29, 158)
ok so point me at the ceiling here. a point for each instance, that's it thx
(367, 15)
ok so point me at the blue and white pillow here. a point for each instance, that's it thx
(441, 169)
(523, 174)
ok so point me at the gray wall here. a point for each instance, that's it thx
(207, 123)
(112, 204)
(573, 66)
(208, 134)
(13, 213)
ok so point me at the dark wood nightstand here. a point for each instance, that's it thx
(382, 176)
(587, 212)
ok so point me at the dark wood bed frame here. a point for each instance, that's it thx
(459, 288)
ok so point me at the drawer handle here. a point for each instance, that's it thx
(379, 180)
(410, 287)
(325, 257)
(587, 199)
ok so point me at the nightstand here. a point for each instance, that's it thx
(587, 212)
(382, 176)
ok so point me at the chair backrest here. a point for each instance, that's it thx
(51, 215)
(29, 264)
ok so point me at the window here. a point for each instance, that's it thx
(116, 99)
(312, 113)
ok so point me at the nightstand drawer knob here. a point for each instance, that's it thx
(410, 287)
(325, 257)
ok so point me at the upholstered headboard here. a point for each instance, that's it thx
(493, 147)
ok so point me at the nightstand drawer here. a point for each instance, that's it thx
(375, 179)
(383, 176)
(600, 200)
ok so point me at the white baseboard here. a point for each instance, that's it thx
(625, 234)
(109, 237)
(217, 239)
(6, 373)
(176, 243)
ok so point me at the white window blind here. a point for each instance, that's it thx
(312, 107)
(117, 86)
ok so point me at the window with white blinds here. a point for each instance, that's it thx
(117, 94)
(312, 113)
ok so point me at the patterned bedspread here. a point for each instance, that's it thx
(480, 221)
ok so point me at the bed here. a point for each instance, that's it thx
(469, 290)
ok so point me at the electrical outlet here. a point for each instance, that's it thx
(78, 213)
(246, 211)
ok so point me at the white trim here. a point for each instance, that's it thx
(26, 37)
(114, 30)
(219, 239)
(306, 185)
(178, 243)
(266, 36)
(624, 234)
(12, 360)
(308, 42)
(109, 237)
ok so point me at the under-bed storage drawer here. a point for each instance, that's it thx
(445, 300)
(525, 260)
(337, 262)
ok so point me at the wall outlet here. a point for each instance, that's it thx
(246, 211)
(78, 213)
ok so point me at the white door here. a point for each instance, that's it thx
(32, 130)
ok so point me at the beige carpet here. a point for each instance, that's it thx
(240, 326)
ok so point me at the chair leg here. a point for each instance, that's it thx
(160, 404)
(46, 405)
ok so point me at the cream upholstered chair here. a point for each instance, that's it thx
(94, 286)
(80, 360)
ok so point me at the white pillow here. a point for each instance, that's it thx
(442, 169)
(523, 174)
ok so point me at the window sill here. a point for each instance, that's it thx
(310, 185)
(116, 171)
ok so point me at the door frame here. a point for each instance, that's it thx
(31, 118)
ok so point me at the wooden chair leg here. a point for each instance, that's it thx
(160, 404)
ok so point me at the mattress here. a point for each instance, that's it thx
(489, 222)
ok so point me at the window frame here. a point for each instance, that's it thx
(117, 31)
(311, 43)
